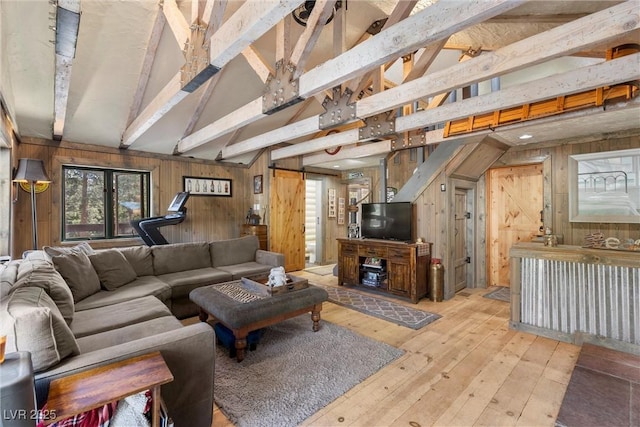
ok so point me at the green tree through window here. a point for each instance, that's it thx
(100, 203)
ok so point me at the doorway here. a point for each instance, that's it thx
(515, 214)
(313, 222)
(462, 239)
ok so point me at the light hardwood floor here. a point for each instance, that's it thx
(467, 368)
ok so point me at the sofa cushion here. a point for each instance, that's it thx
(141, 287)
(77, 271)
(234, 251)
(180, 257)
(42, 274)
(100, 319)
(140, 258)
(82, 247)
(184, 282)
(113, 269)
(128, 334)
(33, 323)
(8, 277)
(246, 269)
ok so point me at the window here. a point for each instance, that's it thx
(100, 203)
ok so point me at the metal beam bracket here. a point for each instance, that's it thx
(410, 139)
(197, 69)
(378, 126)
(337, 109)
(281, 90)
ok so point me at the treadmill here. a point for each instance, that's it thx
(148, 228)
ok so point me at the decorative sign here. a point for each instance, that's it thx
(202, 186)
(354, 175)
(341, 210)
(332, 203)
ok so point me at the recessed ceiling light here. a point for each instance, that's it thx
(525, 136)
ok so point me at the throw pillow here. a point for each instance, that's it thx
(42, 274)
(83, 247)
(33, 323)
(77, 271)
(113, 268)
(140, 258)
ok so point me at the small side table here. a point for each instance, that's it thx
(96, 387)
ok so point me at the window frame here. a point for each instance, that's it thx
(109, 211)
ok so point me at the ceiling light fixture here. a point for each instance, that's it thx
(525, 136)
(301, 13)
(336, 166)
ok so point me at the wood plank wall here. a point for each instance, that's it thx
(208, 218)
(575, 232)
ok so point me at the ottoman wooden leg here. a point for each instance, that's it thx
(315, 316)
(203, 315)
(240, 344)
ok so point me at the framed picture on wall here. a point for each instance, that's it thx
(257, 184)
(332, 203)
(341, 210)
(202, 186)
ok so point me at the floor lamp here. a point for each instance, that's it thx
(31, 171)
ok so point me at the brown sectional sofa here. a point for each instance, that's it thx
(76, 308)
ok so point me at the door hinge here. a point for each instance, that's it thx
(468, 260)
(468, 215)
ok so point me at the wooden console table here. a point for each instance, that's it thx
(72, 395)
(403, 266)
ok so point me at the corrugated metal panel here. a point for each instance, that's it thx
(569, 297)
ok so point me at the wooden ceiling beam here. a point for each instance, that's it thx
(563, 40)
(616, 71)
(212, 16)
(178, 24)
(349, 152)
(431, 24)
(258, 63)
(315, 24)
(250, 21)
(594, 29)
(67, 26)
(147, 63)
(401, 11)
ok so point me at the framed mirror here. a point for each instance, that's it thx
(604, 187)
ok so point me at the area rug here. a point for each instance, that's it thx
(322, 270)
(381, 308)
(294, 372)
(501, 293)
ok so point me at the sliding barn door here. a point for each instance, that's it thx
(286, 213)
(515, 215)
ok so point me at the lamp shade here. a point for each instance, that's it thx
(31, 170)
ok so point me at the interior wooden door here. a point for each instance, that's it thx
(461, 258)
(514, 215)
(287, 217)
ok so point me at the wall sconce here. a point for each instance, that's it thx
(443, 187)
(31, 171)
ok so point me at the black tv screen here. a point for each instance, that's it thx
(390, 221)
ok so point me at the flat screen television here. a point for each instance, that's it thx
(390, 221)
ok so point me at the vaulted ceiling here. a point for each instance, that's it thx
(223, 80)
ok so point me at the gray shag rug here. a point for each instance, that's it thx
(501, 293)
(294, 372)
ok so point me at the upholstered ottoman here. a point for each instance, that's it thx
(243, 311)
